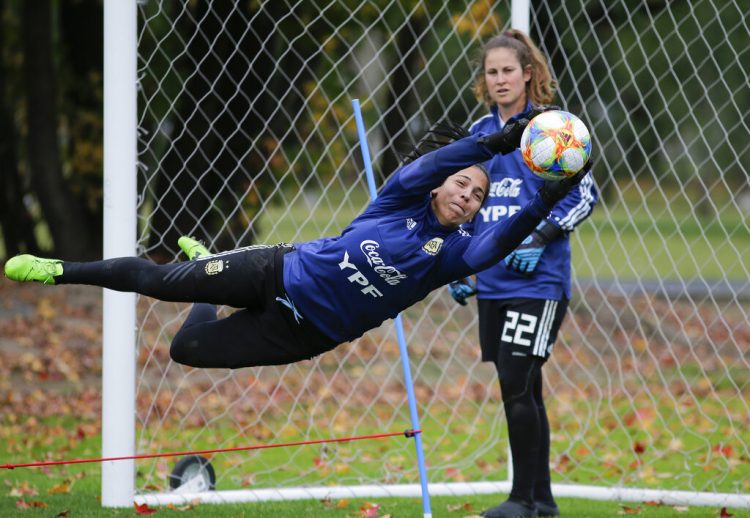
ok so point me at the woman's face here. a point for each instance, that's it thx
(506, 80)
(460, 197)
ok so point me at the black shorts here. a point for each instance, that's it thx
(267, 331)
(521, 327)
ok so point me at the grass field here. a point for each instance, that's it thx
(634, 238)
(645, 437)
(598, 459)
(74, 491)
(83, 502)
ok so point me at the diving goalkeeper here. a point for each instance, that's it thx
(298, 301)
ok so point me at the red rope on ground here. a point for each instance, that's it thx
(407, 433)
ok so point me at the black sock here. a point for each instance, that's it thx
(523, 434)
(518, 375)
(542, 486)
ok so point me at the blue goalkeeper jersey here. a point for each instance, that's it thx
(512, 186)
(396, 251)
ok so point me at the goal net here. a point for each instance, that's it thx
(246, 136)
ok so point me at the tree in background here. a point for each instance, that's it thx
(43, 97)
(241, 101)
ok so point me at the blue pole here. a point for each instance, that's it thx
(399, 326)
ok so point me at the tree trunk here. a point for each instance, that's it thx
(66, 219)
(222, 108)
(15, 221)
(401, 99)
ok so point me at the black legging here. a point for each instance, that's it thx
(176, 282)
(528, 427)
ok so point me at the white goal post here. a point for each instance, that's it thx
(120, 195)
(245, 135)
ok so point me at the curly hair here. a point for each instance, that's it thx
(540, 89)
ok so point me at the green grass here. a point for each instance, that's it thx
(626, 242)
(81, 503)
(75, 490)
(602, 456)
(635, 238)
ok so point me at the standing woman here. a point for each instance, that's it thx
(523, 298)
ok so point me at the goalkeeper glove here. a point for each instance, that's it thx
(508, 139)
(461, 290)
(525, 258)
(555, 190)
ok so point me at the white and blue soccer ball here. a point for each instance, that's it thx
(555, 144)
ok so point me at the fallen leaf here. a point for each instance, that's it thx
(466, 506)
(724, 449)
(454, 474)
(23, 489)
(180, 508)
(369, 510)
(61, 488)
(626, 509)
(725, 513)
(680, 508)
(143, 509)
(23, 504)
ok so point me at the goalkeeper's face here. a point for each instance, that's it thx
(460, 197)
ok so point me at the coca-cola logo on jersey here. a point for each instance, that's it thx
(389, 274)
(506, 188)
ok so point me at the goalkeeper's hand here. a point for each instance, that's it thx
(461, 290)
(525, 258)
(555, 190)
(508, 139)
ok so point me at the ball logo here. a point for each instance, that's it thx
(389, 274)
(214, 267)
(564, 137)
(433, 246)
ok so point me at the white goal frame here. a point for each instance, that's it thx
(119, 315)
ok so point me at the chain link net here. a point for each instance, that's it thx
(246, 135)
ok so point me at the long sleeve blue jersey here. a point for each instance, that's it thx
(512, 186)
(396, 251)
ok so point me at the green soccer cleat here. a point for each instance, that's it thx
(28, 268)
(193, 248)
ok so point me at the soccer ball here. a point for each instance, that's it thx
(555, 145)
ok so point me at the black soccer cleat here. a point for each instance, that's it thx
(511, 509)
(544, 509)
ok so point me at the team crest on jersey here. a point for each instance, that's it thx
(433, 246)
(410, 223)
(214, 267)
